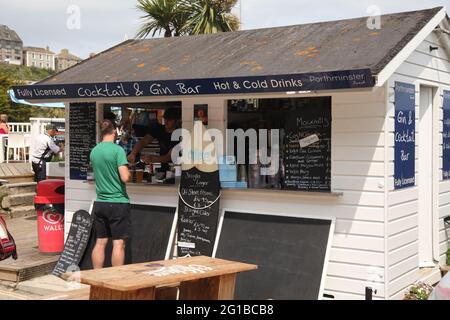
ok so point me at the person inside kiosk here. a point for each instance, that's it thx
(172, 121)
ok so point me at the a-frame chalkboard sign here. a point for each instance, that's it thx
(199, 200)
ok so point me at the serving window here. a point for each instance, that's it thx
(152, 164)
(292, 148)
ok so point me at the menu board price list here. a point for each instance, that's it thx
(82, 128)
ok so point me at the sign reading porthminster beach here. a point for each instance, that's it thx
(259, 84)
(405, 135)
(446, 136)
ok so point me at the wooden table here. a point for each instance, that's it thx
(198, 278)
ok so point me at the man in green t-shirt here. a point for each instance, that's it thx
(112, 207)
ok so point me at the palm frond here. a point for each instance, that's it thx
(158, 16)
(182, 17)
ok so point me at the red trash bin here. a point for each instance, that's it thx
(49, 204)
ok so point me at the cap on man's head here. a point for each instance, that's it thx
(51, 127)
(172, 114)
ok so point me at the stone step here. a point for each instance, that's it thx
(22, 211)
(19, 188)
(20, 179)
(14, 200)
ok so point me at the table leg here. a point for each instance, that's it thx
(102, 293)
(214, 288)
(167, 293)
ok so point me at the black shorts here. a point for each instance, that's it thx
(112, 220)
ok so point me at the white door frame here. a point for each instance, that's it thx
(433, 225)
(437, 176)
(425, 157)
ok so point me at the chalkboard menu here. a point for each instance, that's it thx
(446, 137)
(405, 135)
(307, 148)
(82, 133)
(151, 231)
(198, 212)
(290, 253)
(75, 246)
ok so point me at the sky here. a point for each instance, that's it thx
(86, 26)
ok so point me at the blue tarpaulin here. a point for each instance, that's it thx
(47, 105)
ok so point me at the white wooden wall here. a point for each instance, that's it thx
(421, 68)
(357, 257)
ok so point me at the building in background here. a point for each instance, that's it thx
(10, 46)
(65, 60)
(42, 58)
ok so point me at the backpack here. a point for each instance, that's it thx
(7, 244)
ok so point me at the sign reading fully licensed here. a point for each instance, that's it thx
(277, 83)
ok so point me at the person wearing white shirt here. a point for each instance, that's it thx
(43, 151)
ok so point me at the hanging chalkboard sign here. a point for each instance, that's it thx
(75, 245)
(446, 136)
(291, 254)
(307, 149)
(405, 131)
(82, 138)
(198, 212)
(152, 234)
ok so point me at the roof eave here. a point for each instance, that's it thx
(401, 57)
(445, 39)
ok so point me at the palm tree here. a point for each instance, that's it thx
(211, 16)
(182, 17)
(161, 15)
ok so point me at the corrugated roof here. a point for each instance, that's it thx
(325, 46)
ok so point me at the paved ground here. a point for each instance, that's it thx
(31, 263)
(25, 232)
(36, 288)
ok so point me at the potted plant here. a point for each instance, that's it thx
(418, 291)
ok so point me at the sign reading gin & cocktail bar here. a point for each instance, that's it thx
(405, 132)
(258, 84)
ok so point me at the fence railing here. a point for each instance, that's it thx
(34, 128)
(19, 127)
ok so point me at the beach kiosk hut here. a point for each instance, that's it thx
(364, 121)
